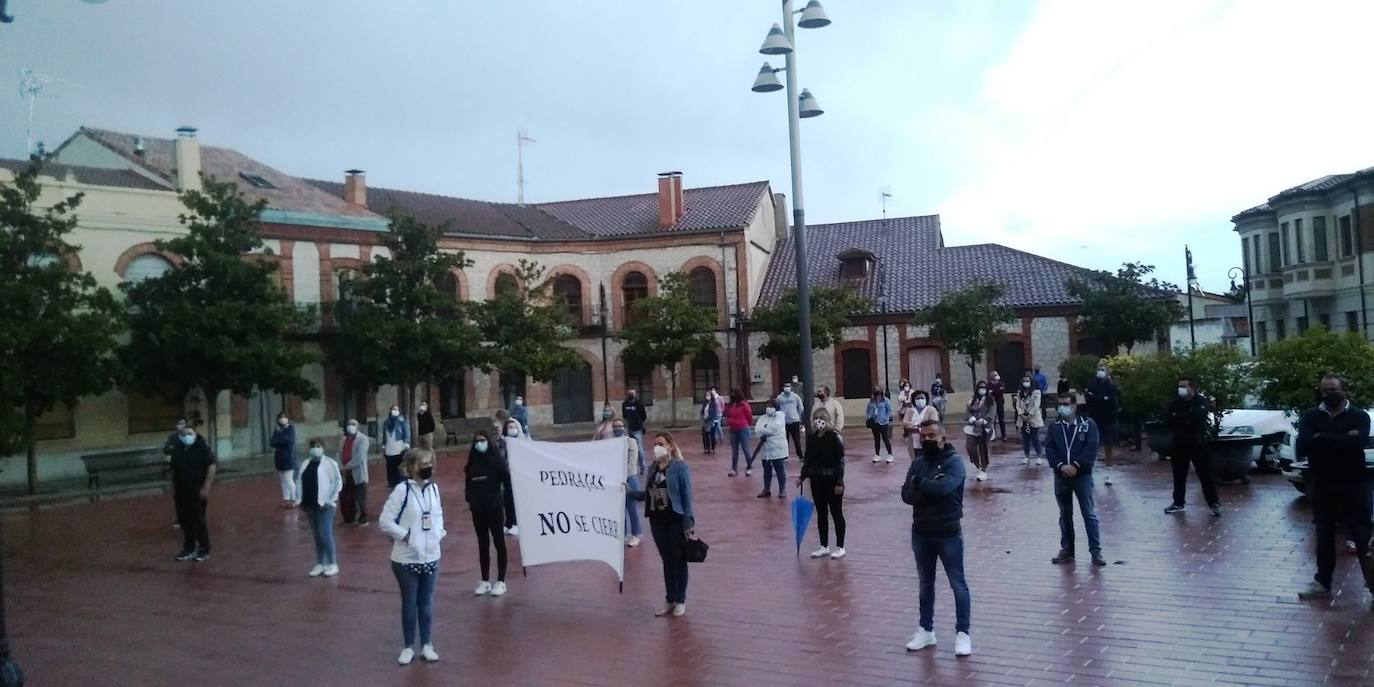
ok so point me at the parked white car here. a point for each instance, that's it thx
(1263, 430)
(1296, 470)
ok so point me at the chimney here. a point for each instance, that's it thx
(188, 159)
(355, 188)
(669, 198)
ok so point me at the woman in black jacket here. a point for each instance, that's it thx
(487, 479)
(825, 469)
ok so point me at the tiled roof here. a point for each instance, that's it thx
(463, 215)
(917, 267)
(1261, 209)
(93, 176)
(291, 194)
(1325, 183)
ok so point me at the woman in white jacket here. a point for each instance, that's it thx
(414, 519)
(318, 483)
(771, 429)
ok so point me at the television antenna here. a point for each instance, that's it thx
(521, 138)
(884, 195)
(31, 85)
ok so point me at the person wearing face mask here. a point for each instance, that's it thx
(521, 413)
(710, 422)
(920, 411)
(168, 447)
(790, 405)
(425, 426)
(632, 410)
(1189, 420)
(771, 429)
(632, 524)
(353, 453)
(903, 392)
(513, 432)
(998, 391)
(283, 444)
(878, 418)
(318, 485)
(824, 466)
(1029, 419)
(605, 429)
(1332, 437)
(193, 471)
(667, 498)
(833, 410)
(1063, 386)
(413, 518)
(395, 442)
(1104, 402)
(486, 482)
(939, 394)
(739, 419)
(978, 429)
(934, 488)
(1041, 381)
(1072, 450)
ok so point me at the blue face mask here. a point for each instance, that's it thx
(619, 432)
(188, 439)
(1066, 411)
(480, 447)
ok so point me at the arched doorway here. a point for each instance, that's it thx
(857, 373)
(922, 364)
(1009, 360)
(572, 394)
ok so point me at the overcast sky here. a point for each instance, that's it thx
(1087, 131)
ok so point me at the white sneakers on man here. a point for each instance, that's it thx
(1025, 461)
(982, 475)
(498, 589)
(921, 640)
(331, 570)
(889, 457)
(407, 655)
(1039, 460)
(821, 552)
(963, 644)
(482, 589)
(679, 610)
(317, 570)
(1108, 479)
(428, 653)
(632, 541)
(837, 552)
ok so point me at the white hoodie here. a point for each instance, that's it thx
(401, 520)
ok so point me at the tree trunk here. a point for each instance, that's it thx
(672, 402)
(212, 423)
(972, 374)
(31, 450)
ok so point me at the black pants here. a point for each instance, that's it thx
(882, 436)
(487, 522)
(671, 539)
(1002, 418)
(353, 500)
(393, 471)
(794, 435)
(1202, 463)
(195, 532)
(1349, 502)
(828, 503)
(708, 438)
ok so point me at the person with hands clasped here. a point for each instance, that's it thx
(486, 480)
(934, 488)
(1072, 450)
(413, 518)
(824, 466)
(667, 497)
(317, 486)
(978, 429)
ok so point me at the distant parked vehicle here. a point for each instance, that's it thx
(1248, 438)
(1295, 470)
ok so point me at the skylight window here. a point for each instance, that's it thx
(256, 180)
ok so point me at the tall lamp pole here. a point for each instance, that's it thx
(781, 41)
(605, 362)
(1249, 306)
(882, 309)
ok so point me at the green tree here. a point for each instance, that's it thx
(523, 329)
(968, 321)
(216, 321)
(1148, 382)
(667, 329)
(1079, 369)
(60, 333)
(831, 310)
(1290, 370)
(1125, 308)
(396, 325)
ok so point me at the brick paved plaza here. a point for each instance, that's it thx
(96, 599)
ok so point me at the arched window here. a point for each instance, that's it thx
(342, 292)
(567, 293)
(857, 373)
(448, 285)
(705, 375)
(701, 287)
(634, 287)
(145, 267)
(506, 285)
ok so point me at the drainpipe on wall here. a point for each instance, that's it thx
(1359, 262)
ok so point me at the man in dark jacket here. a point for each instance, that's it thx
(1103, 401)
(168, 447)
(934, 488)
(1332, 438)
(193, 471)
(635, 416)
(1072, 450)
(1189, 420)
(425, 425)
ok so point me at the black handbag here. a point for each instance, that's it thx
(696, 551)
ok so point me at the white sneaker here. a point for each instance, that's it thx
(821, 552)
(837, 552)
(877, 459)
(331, 570)
(407, 655)
(921, 640)
(1039, 460)
(679, 610)
(498, 589)
(1108, 480)
(513, 530)
(1025, 461)
(982, 475)
(963, 644)
(633, 541)
(666, 610)
(482, 589)
(317, 570)
(428, 653)
(889, 457)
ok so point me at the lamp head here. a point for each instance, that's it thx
(813, 17)
(776, 42)
(767, 80)
(807, 105)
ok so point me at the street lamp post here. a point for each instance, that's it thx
(1249, 306)
(605, 330)
(781, 41)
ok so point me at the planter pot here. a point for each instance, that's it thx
(1159, 438)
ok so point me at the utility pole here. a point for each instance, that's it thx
(521, 138)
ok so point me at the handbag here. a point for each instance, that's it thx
(696, 550)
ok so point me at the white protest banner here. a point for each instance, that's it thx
(570, 500)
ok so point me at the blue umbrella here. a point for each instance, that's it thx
(802, 508)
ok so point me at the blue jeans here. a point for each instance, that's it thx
(638, 436)
(1065, 489)
(739, 443)
(776, 466)
(950, 552)
(322, 526)
(632, 506)
(1030, 439)
(417, 602)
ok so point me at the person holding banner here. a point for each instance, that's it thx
(633, 525)
(486, 482)
(414, 519)
(513, 432)
(668, 505)
(824, 466)
(606, 429)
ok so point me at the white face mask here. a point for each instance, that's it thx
(395, 413)
(351, 429)
(282, 421)
(920, 404)
(982, 392)
(1101, 374)
(316, 451)
(770, 411)
(519, 402)
(1025, 385)
(787, 389)
(820, 424)
(513, 432)
(1183, 392)
(660, 452)
(424, 407)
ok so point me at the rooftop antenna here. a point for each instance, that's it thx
(884, 194)
(31, 85)
(521, 138)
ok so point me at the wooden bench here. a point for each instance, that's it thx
(122, 460)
